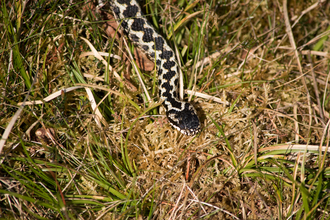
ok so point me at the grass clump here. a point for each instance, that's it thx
(83, 136)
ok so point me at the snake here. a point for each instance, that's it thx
(181, 115)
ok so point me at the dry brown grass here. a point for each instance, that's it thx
(261, 71)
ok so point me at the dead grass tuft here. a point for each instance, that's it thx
(83, 135)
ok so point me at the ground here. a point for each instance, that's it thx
(84, 135)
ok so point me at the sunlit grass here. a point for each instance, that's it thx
(102, 149)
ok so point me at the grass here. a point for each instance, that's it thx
(83, 136)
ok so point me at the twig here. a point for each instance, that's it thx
(15, 118)
(293, 45)
(296, 125)
(255, 143)
(205, 96)
(306, 11)
(316, 90)
(297, 19)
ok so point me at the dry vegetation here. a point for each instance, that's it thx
(84, 138)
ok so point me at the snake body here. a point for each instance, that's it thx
(181, 115)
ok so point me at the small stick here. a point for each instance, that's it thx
(316, 90)
(294, 47)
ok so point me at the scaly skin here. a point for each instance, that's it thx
(181, 115)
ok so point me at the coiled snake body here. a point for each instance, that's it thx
(181, 115)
